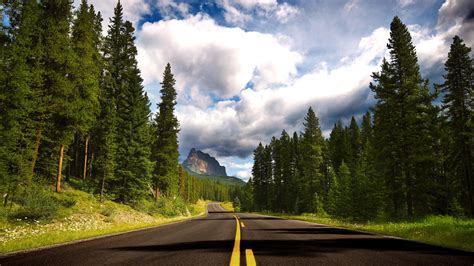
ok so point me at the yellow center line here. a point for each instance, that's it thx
(242, 224)
(235, 259)
(249, 257)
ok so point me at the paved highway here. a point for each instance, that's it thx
(223, 238)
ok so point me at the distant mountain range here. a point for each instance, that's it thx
(203, 165)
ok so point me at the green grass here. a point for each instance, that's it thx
(443, 231)
(81, 216)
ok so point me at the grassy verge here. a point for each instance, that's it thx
(438, 230)
(87, 218)
(227, 206)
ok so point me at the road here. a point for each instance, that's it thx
(222, 237)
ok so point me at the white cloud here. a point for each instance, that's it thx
(253, 3)
(213, 58)
(457, 13)
(233, 15)
(170, 9)
(234, 128)
(238, 12)
(285, 12)
(244, 175)
(405, 3)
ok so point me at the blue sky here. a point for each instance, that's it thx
(247, 69)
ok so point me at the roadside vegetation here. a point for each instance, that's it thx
(46, 218)
(445, 231)
(228, 206)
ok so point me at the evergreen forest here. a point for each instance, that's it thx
(73, 110)
(409, 156)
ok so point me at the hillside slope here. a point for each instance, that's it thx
(226, 180)
(81, 215)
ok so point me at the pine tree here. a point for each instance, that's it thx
(58, 78)
(128, 109)
(343, 201)
(165, 147)
(20, 67)
(277, 198)
(353, 135)
(312, 148)
(404, 121)
(133, 111)
(338, 146)
(104, 140)
(459, 105)
(258, 173)
(297, 174)
(373, 186)
(87, 74)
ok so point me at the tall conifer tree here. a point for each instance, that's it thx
(312, 147)
(459, 105)
(404, 118)
(87, 73)
(165, 147)
(58, 77)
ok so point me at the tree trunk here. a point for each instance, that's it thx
(35, 152)
(5, 202)
(91, 162)
(157, 192)
(60, 167)
(76, 156)
(85, 157)
(102, 188)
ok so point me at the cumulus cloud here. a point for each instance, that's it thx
(458, 13)
(238, 12)
(213, 58)
(171, 9)
(285, 12)
(234, 128)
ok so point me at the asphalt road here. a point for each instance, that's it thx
(221, 238)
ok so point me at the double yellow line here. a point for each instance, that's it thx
(235, 259)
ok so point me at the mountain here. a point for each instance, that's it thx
(202, 163)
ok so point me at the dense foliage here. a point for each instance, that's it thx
(73, 107)
(407, 159)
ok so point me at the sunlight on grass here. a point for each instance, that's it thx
(86, 218)
(228, 206)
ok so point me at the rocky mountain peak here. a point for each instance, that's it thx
(202, 163)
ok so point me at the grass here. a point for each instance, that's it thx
(443, 231)
(81, 216)
(228, 206)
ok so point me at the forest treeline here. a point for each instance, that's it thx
(72, 105)
(408, 158)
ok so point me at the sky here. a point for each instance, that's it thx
(247, 69)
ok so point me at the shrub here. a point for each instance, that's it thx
(36, 202)
(107, 210)
(171, 207)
